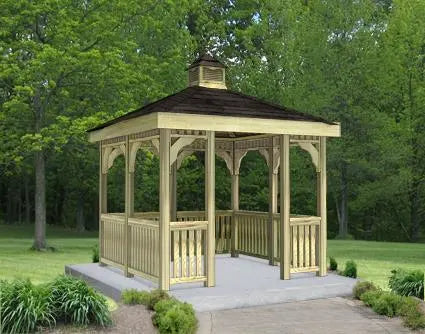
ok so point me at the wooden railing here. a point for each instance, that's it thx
(144, 248)
(188, 250)
(188, 238)
(111, 250)
(304, 240)
(252, 233)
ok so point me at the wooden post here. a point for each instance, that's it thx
(131, 194)
(235, 207)
(210, 207)
(285, 255)
(103, 200)
(127, 246)
(164, 209)
(272, 208)
(323, 210)
(173, 192)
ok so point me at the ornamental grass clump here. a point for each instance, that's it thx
(135, 297)
(407, 283)
(24, 307)
(76, 303)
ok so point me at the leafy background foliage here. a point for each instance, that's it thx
(67, 66)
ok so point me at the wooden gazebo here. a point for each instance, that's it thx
(170, 247)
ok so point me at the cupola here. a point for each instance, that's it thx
(206, 71)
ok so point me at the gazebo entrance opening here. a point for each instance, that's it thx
(170, 247)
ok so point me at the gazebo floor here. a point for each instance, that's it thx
(240, 282)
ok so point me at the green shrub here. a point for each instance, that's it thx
(333, 265)
(407, 283)
(361, 287)
(350, 269)
(387, 304)
(133, 297)
(155, 296)
(174, 317)
(24, 307)
(95, 253)
(370, 297)
(390, 304)
(77, 303)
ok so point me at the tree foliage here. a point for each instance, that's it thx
(66, 66)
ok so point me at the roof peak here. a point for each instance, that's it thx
(207, 59)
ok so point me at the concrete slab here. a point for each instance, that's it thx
(240, 282)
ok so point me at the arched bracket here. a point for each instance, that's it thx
(314, 153)
(109, 156)
(155, 145)
(178, 145)
(239, 154)
(134, 147)
(181, 156)
(276, 158)
(228, 159)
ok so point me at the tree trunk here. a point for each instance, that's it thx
(343, 221)
(27, 200)
(414, 211)
(80, 214)
(40, 202)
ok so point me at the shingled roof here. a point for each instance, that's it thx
(219, 102)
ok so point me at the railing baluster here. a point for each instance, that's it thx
(307, 245)
(176, 253)
(198, 252)
(191, 254)
(294, 246)
(184, 253)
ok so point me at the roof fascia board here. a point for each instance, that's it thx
(126, 127)
(182, 121)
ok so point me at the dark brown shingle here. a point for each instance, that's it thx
(220, 102)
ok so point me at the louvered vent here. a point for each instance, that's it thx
(210, 74)
(193, 75)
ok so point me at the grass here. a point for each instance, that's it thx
(375, 260)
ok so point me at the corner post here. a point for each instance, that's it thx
(322, 207)
(103, 200)
(173, 192)
(210, 207)
(164, 209)
(128, 196)
(234, 207)
(285, 255)
(272, 206)
(131, 194)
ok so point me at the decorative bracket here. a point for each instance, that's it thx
(276, 161)
(178, 145)
(228, 159)
(239, 154)
(314, 153)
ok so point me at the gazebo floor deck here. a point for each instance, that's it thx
(240, 282)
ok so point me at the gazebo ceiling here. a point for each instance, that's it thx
(208, 105)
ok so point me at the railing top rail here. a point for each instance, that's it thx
(189, 225)
(144, 222)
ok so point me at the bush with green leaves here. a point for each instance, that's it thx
(350, 269)
(361, 287)
(95, 254)
(391, 304)
(24, 307)
(149, 299)
(134, 297)
(77, 303)
(407, 283)
(174, 317)
(333, 265)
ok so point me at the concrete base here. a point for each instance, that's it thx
(241, 282)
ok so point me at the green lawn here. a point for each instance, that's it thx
(375, 259)
(17, 260)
